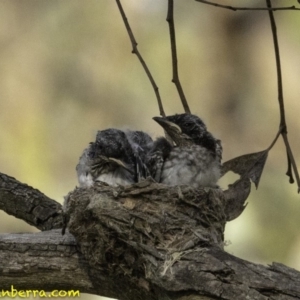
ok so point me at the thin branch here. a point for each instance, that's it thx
(275, 139)
(175, 79)
(235, 8)
(283, 128)
(136, 51)
(289, 171)
(278, 67)
(291, 162)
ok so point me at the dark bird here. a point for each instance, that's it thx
(196, 157)
(116, 157)
(141, 143)
(110, 159)
(156, 157)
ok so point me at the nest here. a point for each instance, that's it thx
(142, 229)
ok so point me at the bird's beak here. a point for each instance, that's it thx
(167, 125)
(119, 163)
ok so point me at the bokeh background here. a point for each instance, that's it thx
(66, 71)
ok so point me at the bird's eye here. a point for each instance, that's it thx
(186, 125)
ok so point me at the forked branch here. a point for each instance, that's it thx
(292, 167)
(175, 79)
(136, 51)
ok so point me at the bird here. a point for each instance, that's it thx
(141, 143)
(156, 156)
(195, 159)
(116, 157)
(110, 158)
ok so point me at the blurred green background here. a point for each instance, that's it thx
(66, 71)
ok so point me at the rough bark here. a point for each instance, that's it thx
(29, 204)
(145, 241)
(169, 241)
(48, 261)
(44, 260)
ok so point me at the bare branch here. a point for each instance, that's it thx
(283, 128)
(235, 8)
(289, 171)
(291, 161)
(136, 51)
(278, 67)
(29, 204)
(43, 261)
(275, 140)
(175, 79)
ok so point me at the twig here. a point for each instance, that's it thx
(283, 128)
(175, 79)
(275, 139)
(278, 67)
(235, 8)
(136, 51)
(291, 162)
(289, 171)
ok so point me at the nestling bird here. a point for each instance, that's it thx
(116, 157)
(156, 157)
(110, 159)
(196, 158)
(141, 143)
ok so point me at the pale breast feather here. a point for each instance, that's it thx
(195, 166)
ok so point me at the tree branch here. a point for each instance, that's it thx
(283, 127)
(235, 8)
(136, 51)
(44, 261)
(278, 68)
(47, 261)
(275, 139)
(175, 79)
(145, 241)
(29, 204)
(291, 162)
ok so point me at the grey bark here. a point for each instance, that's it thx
(145, 241)
(45, 260)
(29, 204)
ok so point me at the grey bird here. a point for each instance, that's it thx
(156, 157)
(195, 159)
(109, 159)
(141, 143)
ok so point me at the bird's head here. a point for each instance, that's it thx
(140, 141)
(187, 129)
